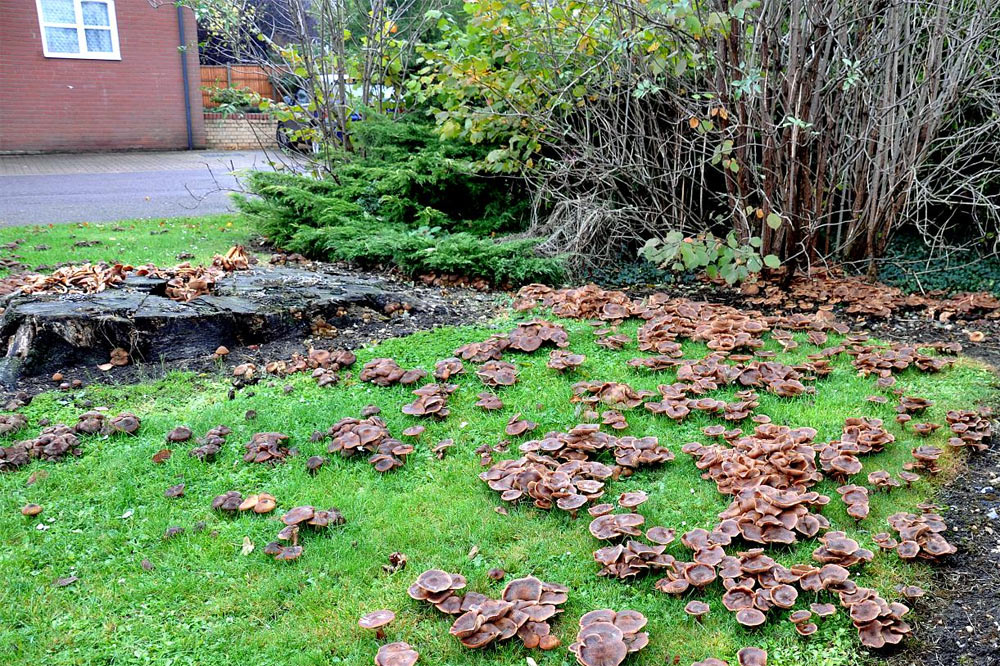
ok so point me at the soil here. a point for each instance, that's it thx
(958, 622)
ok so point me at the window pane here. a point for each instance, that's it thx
(62, 40)
(98, 40)
(95, 13)
(58, 11)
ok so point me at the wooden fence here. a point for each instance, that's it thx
(254, 77)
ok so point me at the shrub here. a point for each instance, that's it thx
(410, 202)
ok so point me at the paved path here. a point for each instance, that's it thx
(96, 187)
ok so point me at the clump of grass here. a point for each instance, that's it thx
(203, 602)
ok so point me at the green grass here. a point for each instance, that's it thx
(137, 241)
(204, 603)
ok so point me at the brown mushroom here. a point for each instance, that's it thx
(31, 510)
(752, 656)
(377, 620)
(489, 401)
(697, 609)
(518, 426)
(174, 491)
(179, 434)
(396, 654)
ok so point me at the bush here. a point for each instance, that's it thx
(410, 202)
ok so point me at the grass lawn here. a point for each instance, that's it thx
(205, 603)
(137, 241)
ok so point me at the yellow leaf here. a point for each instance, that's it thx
(247, 546)
(694, 122)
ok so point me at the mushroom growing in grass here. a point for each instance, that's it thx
(697, 609)
(752, 656)
(414, 431)
(396, 654)
(31, 510)
(377, 620)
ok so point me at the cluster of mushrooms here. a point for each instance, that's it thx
(369, 435)
(323, 363)
(57, 442)
(523, 610)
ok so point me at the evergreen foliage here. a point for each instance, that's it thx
(410, 201)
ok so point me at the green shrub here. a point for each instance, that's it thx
(409, 202)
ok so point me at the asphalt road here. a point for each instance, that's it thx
(99, 188)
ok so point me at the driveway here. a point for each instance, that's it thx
(105, 187)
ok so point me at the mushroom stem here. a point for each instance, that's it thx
(380, 634)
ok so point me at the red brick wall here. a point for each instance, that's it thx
(64, 104)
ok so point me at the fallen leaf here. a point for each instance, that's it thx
(247, 546)
(473, 552)
(147, 565)
(162, 456)
(105, 367)
(127, 514)
(976, 336)
(63, 582)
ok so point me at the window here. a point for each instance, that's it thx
(78, 29)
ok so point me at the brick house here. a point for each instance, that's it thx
(78, 75)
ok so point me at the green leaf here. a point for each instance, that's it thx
(773, 220)
(772, 261)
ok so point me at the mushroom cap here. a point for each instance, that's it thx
(435, 580)
(414, 431)
(632, 499)
(711, 661)
(750, 617)
(696, 608)
(630, 621)
(396, 654)
(299, 514)
(31, 509)
(376, 619)
(752, 656)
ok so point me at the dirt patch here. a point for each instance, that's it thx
(958, 623)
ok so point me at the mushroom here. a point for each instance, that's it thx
(396, 654)
(750, 617)
(488, 401)
(179, 434)
(518, 426)
(631, 500)
(31, 510)
(221, 351)
(174, 491)
(313, 463)
(752, 656)
(414, 431)
(377, 620)
(697, 609)
(442, 446)
(562, 360)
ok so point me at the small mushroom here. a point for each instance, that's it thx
(377, 620)
(396, 654)
(314, 463)
(179, 434)
(442, 446)
(119, 356)
(174, 491)
(31, 510)
(414, 431)
(221, 351)
(696, 609)
(496, 574)
(518, 426)
(752, 656)
(488, 401)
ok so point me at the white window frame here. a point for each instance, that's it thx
(82, 53)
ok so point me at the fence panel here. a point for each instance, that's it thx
(253, 77)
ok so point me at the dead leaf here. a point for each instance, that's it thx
(63, 582)
(162, 456)
(147, 565)
(473, 552)
(127, 514)
(976, 336)
(247, 546)
(105, 367)
(531, 662)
